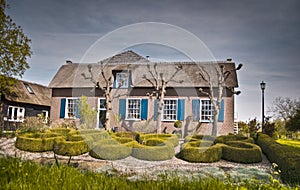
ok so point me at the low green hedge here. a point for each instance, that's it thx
(123, 140)
(198, 137)
(241, 152)
(287, 160)
(62, 131)
(171, 138)
(200, 151)
(226, 138)
(70, 148)
(164, 151)
(110, 149)
(36, 142)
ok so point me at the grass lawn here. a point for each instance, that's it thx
(293, 145)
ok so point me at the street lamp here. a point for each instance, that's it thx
(263, 87)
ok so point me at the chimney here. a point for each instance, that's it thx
(68, 62)
(229, 59)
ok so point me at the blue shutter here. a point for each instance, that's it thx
(115, 80)
(144, 109)
(62, 108)
(77, 114)
(196, 110)
(155, 110)
(221, 112)
(180, 110)
(122, 108)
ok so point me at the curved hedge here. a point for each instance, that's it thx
(287, 160)
(226, 138)
(164, 151)
(70, 148)
(37, 142)
(200, 151)
(199, 137)
(171, 138)
(62, 131)
(110, 149)
(241, 152)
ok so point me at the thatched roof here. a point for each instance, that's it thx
(80, 75)
(29, 93)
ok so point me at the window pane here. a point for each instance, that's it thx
(133, 108)
(206, 111)
(169, 110)
(121, 80)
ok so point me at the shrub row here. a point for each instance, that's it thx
(287, 160)
(241, 152)
(227, 138)
(70, 148)
(153, 149)
(201, 148)
(200, 151)
(36, 144)
(171, 138)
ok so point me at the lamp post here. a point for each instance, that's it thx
(263, 87)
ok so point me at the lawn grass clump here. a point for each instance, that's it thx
(200, 151)
(285, 158)
(241, 152)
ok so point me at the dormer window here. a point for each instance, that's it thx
(28, 88)
(121, 80)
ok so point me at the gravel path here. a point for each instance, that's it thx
(129, 165)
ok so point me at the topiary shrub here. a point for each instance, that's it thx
(287, 160)
(171, 138)
(110, 149)
(241, 152)
(198, 137)
(200, 151)
(226, 138)
(70, 148)
(163, 151)
(123, 140)
(36, 142)
(62, 131)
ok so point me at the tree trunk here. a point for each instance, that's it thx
(214, 131)
(108, 112)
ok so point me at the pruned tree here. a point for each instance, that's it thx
(159, 82)
(14, 51)
(217, 84)
(284, 107)
(104, 82)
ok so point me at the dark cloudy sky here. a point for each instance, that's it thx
(264, 35)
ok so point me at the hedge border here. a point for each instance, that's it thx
(241, 152)
(70, 148)
(288, 161)
(193, 152)
(110, 149)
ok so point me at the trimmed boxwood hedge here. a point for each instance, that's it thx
(287, 160)
(198, 137)
(241, 152)
(110, 149)
(164, 150)
(171, 138)
(62, 131)
(70, 148)
(226, 138)
(37, 142)
(200, 151)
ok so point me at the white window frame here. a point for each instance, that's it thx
(100, 109)
(122, 79)
(127, 109)
(200, 111)
(28, 88)
(163, 110)
(20, 114)
(67, 108)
